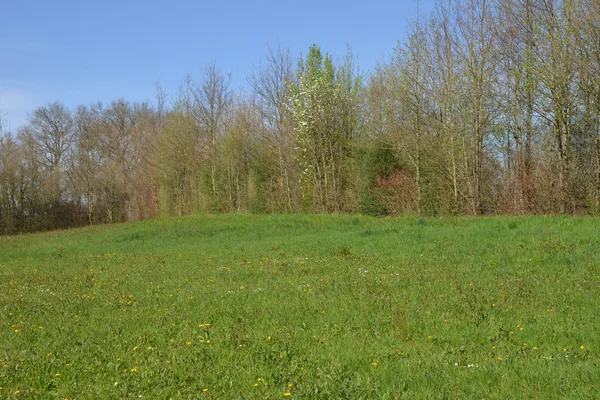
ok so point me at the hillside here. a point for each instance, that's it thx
(303, 306)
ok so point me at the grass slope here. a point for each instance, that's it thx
(240, 306)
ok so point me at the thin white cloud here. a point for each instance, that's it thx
(17, 100)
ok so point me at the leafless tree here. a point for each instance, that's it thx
(209, 102)
(270, 83)
(51, 127)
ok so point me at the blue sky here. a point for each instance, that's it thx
(80, 52)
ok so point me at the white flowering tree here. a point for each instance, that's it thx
(321, 108)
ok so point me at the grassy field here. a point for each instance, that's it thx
(324, 307)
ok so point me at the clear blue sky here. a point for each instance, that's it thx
(82, 51)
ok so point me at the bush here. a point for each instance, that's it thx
(375, 161)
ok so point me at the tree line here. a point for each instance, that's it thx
(489, 106)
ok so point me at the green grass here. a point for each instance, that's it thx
(335, 306)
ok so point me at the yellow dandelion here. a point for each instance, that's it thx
(534, 348)
(287, 394)
(290, 385)
(429, 337)
(134, 369)
(256, 385)
(57, 375)
(582, 347)
(188, 343)
(374, 363)
(204, 390)
(499, 358)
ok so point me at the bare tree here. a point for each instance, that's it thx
(475, 47)
(516, 42)
(446, 82)
(270, 83)
(411, 62)
(210, 100)
(50, 133)
(51, 127)
(11, 187)
(86, 161)
(2, 115)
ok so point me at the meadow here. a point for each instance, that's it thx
(303, 306)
